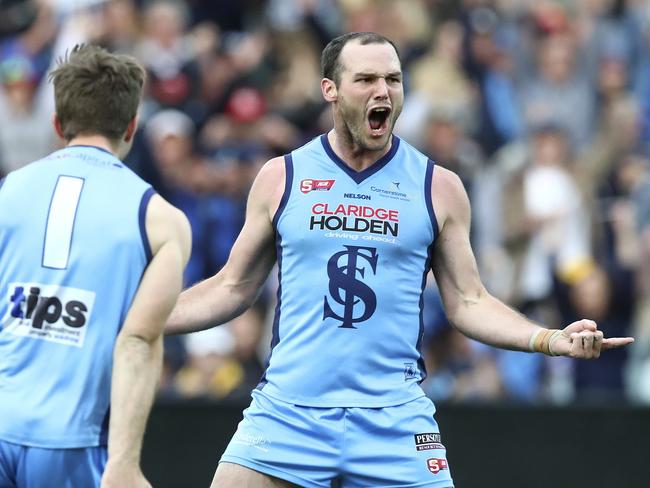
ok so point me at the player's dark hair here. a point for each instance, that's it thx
(330, 65)
(96, 92)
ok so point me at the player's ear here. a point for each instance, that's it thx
(57, 126)
(328, 87)
(130, 129)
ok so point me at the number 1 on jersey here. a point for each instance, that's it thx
(60, 222)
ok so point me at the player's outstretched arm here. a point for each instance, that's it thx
(137, 358)
(235, 287)
(476, 313)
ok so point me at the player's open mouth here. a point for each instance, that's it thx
(378, 120)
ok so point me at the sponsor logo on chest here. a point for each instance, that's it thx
(354, 218)
(309, 184)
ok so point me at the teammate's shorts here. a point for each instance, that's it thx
(397, 446)
(35, 467)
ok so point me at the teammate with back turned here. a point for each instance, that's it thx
(91, 264)
(355, 219)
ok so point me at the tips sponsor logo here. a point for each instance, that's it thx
(309, 184)
(48, 312)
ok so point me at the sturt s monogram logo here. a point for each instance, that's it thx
(358, 300)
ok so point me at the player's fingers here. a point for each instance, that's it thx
(587, 345)
(582, 345)
(614, 342)
(598, 343)
(589, 325)
(580, 326)
(576, 346)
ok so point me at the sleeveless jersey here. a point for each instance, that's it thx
(73, 249)
(353, 254)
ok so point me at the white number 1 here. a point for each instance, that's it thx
(60, 221)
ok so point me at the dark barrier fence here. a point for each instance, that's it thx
(488, 446)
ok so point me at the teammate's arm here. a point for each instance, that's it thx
(137, 358)
(235, 287)
(469, 306)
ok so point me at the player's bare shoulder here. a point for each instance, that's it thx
(449, 197)
(268, 187)
(165, 223)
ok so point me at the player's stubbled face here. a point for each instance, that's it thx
(370, 93)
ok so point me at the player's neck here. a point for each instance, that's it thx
(92, 140)
(355, 156)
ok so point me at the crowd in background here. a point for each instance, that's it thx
(541, 106)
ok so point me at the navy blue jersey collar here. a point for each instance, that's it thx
(359, 176)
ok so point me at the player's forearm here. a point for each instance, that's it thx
(488, 320)
(212, 302)
(137, 366)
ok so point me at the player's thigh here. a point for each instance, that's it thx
(230, 475)
(61, 468)
(300, 445)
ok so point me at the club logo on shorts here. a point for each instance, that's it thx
(436, 465)
(428, 441)
(309, 184)
(256, 439)
(410, 373)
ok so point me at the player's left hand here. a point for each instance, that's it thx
(583, 340)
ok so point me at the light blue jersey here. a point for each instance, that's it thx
(353, 254)
(73, 249)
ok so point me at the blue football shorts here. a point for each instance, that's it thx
(35, 467)
(397, 446)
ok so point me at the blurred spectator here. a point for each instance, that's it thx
(26, 95)
(16, 16)
(437, 82)
(322, 17)
(489, 61)
(295, 91)
(447, 145)
(246, 132)
(221, 362)
(121, 32)
(609, 299)
(201, 189)
(545, 209)
(26, 102)
(458, 369)
(559, 92)
(168, 57)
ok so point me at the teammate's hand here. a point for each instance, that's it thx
(583, 340)
(123, 476)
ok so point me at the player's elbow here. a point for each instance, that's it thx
(462, 306)
(138, 343)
